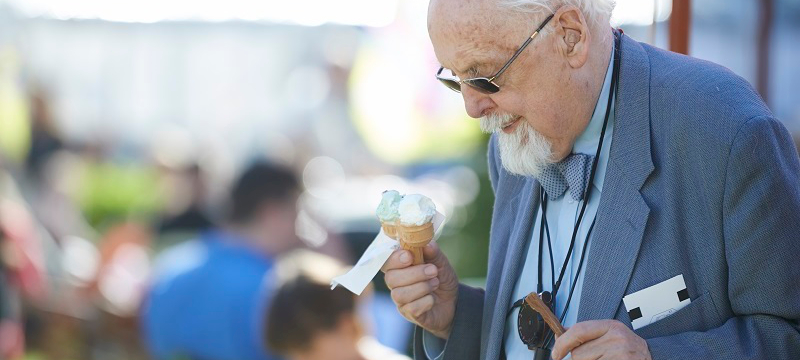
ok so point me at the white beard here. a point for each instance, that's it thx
(524, 152)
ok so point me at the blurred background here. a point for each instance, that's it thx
(123, 124)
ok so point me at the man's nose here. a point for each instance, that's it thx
(476, 103)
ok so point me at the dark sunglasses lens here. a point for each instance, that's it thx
(483, 85)
(451, 84)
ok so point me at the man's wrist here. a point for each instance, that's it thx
(444, 334)
(441, 334)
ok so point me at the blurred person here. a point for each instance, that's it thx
(53, 200)
(309, 321)
(651, 198)
(388, 326)
(191, 218)
(45, 140)
(12, 335)
(42, 294)
(24, 255)
(207, 297)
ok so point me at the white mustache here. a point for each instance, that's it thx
(493, 123)
(523, 152)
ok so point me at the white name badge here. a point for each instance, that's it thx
(654, 303)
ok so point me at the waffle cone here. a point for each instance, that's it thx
(414, 238)
(390, 230)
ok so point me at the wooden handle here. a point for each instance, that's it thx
(538, 305)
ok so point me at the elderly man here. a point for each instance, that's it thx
(629, 182)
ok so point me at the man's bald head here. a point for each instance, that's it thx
(552, 87)
(447, 15)
(475, 21)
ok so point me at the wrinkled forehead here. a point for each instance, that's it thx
(475, 32)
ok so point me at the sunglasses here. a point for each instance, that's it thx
(484, 84)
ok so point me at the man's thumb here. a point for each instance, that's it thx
(434, 255)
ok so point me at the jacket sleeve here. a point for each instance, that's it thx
(465, 336)
(761, 224)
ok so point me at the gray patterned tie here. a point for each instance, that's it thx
(570, 173)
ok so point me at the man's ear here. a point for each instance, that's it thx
(572, 35)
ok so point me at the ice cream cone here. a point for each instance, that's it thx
(389, 229)
(414, 238)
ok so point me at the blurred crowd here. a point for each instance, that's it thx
(135, 234)
(119, 245)
(102, 260)
(107, 259)
(187, 189)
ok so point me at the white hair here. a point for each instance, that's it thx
(596, 12)
(525, 151)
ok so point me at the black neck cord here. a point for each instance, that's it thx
(544, 227)
(588, 191)
(612, 92)
(550, 249)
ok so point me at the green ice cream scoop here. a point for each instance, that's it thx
(387, 209)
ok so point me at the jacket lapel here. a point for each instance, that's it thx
(622, 213)
(528, 202)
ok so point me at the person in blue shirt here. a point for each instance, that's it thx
(208, 296)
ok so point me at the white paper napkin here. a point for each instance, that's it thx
(357, 279)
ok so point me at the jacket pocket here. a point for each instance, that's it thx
(700, 315)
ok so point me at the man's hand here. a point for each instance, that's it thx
(600, 339)
(424, 294)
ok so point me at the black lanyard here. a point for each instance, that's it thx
(542, 338)
(586, 194)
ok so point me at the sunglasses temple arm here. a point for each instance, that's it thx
(521, 48)
(513, 57)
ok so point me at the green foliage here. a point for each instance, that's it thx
(468, 248)
(109, 192)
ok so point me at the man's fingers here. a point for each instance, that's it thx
(398, 260)
(406, 294)
(578, 335)
(410, 275)
(591, 350)
(417, 308)
(433, 255)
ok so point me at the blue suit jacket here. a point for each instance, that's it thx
(702, 181)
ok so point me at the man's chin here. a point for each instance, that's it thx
(524, 151)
